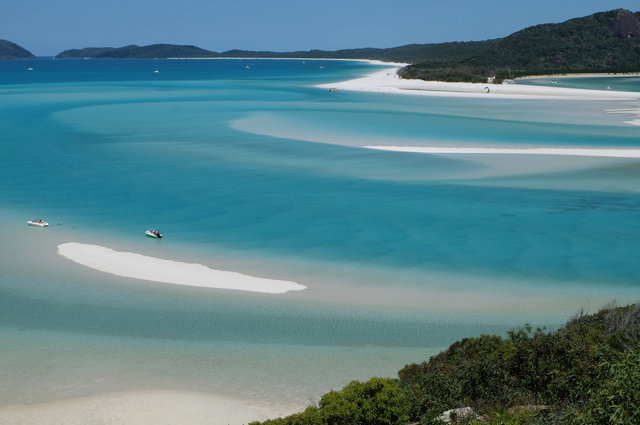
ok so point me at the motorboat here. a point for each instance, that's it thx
(153, 233)
(37, 222)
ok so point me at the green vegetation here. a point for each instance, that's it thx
(410, 53)
(377, 402)
(586, 373)
(9, 50)
(603, 42)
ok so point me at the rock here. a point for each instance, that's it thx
(625, 25)
(455, 414)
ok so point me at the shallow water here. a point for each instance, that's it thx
(618, 83)
(254, 170)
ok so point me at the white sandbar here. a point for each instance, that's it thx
(138, 266)
(387, 81)
(605, 153)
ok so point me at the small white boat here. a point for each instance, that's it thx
(153, 233)
(38, 223)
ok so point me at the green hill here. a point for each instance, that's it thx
(409, 53)
(9, 50)
(603, 42)
(138, 52)
(585, 373)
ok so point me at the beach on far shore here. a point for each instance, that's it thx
(388, 81)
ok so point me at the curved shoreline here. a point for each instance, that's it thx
(138, 266)
(387, 81)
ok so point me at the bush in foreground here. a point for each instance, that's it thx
(379, 401)
(586, 373)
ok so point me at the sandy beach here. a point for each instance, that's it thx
(151, 407)
(387, 81)
(138, 266)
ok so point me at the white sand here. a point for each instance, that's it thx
(628, 111)
(142, 408)
(607, 153)
(137, 266)
(387, 81)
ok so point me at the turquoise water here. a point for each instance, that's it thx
(245, 166)
(619, 83)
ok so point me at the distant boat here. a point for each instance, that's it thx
(334, 89)
(153, 233)
(37, 222)
(156, 71)
(30, 69)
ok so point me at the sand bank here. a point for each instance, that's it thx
(138, 266)
(605, 153)
(627, 111)
(142, 408)
(387, 81)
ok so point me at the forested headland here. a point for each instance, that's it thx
(607, 42)
(9, 50)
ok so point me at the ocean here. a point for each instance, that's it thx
(244, 165)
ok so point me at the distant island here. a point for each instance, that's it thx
(9, 50)
(605, 42)
(137, 52)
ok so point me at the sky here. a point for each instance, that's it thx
(47, 27)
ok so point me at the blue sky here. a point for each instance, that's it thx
(47, 27)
